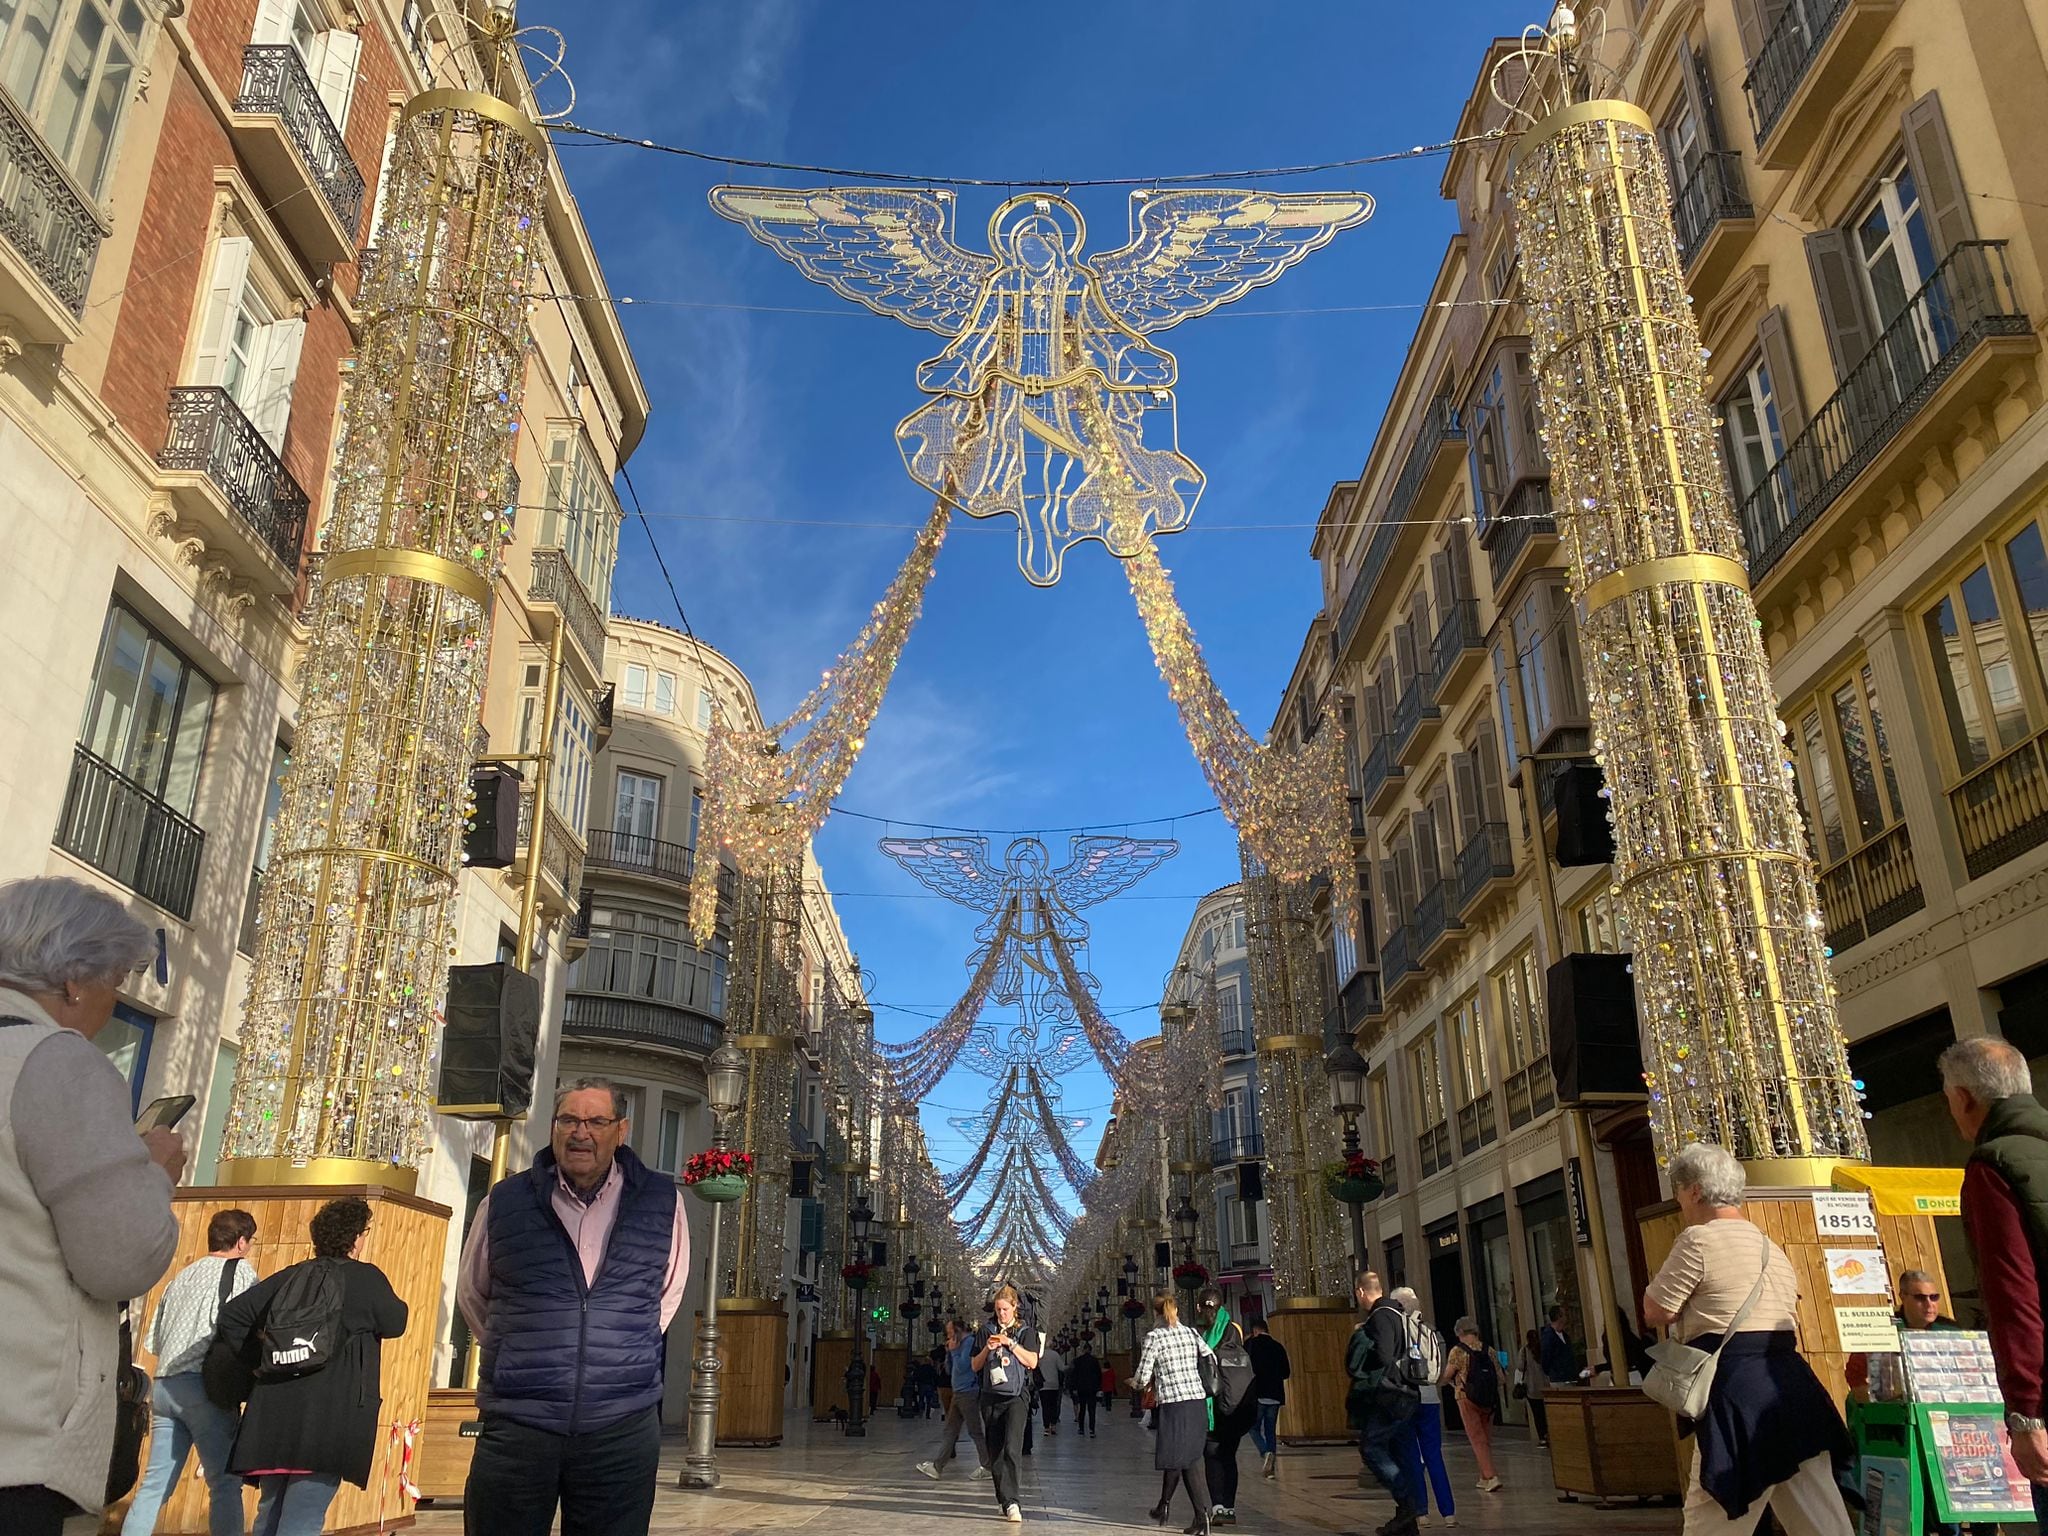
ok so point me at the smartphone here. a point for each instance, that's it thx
(161, 1114)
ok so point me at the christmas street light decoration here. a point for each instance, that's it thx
(356, 917)
(1711, 869)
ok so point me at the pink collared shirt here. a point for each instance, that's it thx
(589, 1227)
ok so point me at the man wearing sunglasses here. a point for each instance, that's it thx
(570, 1277)
(1919, 1309)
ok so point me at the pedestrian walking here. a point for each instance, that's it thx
(1770, 1434)
(1270, 1372)
(311, 1424)
(1005, 1352)
(1991, 1099)
(1171, 1365)
(1420, 1443)
(1532, 1381)
(571, 1275)
(1383, 1397)
(1560, 1359)
(874, 1387)
(1474, 1375)
(183, 1418)
(1226, 1431)
(1052, 1366)
(1109, 1385)
(1084, 1384)
(963, 1405)
(85, 1203)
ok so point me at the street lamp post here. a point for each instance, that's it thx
(1187, 1221)
(725, 1089)
(1344, 1069)
(1130, 1284)
(858, 1221)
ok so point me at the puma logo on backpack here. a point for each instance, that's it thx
(301, 1327)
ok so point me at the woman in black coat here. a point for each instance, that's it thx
(300, 1437)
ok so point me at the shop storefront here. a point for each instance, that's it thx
(1553, 1253)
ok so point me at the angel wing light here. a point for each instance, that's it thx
(1048, 403)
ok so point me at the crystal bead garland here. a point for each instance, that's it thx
(1740, 1040)
(763, 1015)
(356, 921)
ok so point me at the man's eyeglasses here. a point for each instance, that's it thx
(587, 1122)
(1933, 1296)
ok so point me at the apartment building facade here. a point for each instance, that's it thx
(1852, 188)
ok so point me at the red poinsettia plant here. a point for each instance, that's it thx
(1190, 1273)
(717, 1162)
(858, 1271)
(1134, 1308)
(1358, 1166)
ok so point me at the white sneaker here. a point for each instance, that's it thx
(1450, 1519)
(1014, 1515)
(981, 1474)
(928, 1470)
(1489, 1485)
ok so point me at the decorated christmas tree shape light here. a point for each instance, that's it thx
(1048, 403)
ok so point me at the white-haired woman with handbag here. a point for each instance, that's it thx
(1767, 1434)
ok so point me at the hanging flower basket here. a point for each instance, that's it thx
(718, 1175)
(856, 1275)
(909, 1311)
(1134, 1308)
(1101, 1324)
(1190, 1276)
(1354, 1181)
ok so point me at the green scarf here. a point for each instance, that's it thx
(1215, 1334)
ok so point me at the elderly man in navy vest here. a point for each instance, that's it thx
(571, 1275)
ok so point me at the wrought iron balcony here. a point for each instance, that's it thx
(1433, 1148)
(1240, 1147)
(1413, 709)
(561, 854)
(1710, 195)
(1436, 918)
(1381, 771)
(1476, 1125)
(1390, 1175)
(50, 226)
(1871, 889)
(1458, 642)
(275, 85)
(128, 834)
(1487, 856)
(576, 936)
(2001, 810)
(1357, 804)
(1524, 518)
(604, 707)
(1440, 425)
(1785, 56)
(1398, 958)
(1236, 1041)
(555, 582)
(637, 855)
(210, 437)
(1968, 299)
(1530, 1092)
(641, 1021)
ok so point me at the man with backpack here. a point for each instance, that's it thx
(1386, 1378)
(1420, 1444)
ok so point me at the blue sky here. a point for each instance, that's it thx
(1014, 707)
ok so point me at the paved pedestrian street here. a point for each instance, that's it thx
(820, 1482)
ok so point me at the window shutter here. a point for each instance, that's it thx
(223, 299)
(281, 344)
(335, 79)
(1749, 23)
(1441, 578)
(1486, 758)
(1699, 95)
(1776, 345)
(1458, 550)
(1422, 828)
(1842, 309)
(1471, 811)
(273, 21)
(1933, 157)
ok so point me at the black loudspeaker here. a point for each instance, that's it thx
(879, 1256)
(1251, 1182)
(493, 1017)
(1162, 1255)
(1584, 833)
(1596, 1049)
(800, 1179)
(492, 841)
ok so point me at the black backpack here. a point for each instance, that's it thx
(301, 1328)
(1234, 1371)
(1482, 1379)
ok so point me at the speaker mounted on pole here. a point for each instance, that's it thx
(1585, 835)
(1596, 1047)
(492, 1023)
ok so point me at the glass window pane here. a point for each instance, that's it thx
(94, 152)
(665, 692)
(65, 111)
(27, 44)
(2028, 560)
(156, 715)
(188, 744)
(1820, 773)
(1856, 761)
(1884, 746)
(1958, 692)
(1995, 657)
(117, 681)
(636, 687)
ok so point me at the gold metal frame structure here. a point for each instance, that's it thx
(356, 918)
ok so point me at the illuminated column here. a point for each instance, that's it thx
(356, 923)
(1740, 1041)
(762, 1015)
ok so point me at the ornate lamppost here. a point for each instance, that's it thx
(1187, 1221)
(1130, 1290)
(1344, 1070)
(725, 1089)
(858, 1222)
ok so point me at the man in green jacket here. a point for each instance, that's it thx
(1382, 1398)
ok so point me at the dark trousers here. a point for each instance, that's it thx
(1540, 1415)
(1005, 1419)
(603, 1480)
(1219, 1452)
(1049, 1400)
(34, 1511)
(1378, 1443)
(1085, 1404)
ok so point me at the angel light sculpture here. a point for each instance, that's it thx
(1048, 403)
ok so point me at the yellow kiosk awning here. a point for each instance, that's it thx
(1906, 1191)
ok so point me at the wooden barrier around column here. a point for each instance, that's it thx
(406, 1240)
(1316, 1333)
(441, 1469)
(753, 1340)
(829, 1360)
(890, 1360)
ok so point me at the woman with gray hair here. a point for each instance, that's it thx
(1770, 1435)
(84, 1201)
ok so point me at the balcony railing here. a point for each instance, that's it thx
(2001, 810)
(1434, 916)
(1530, 1092)
(1390, 1179)
(1440, 424)
(640, 856)
(1488, 855)
(1397, 957)
(580, 920)
(641, 1020)
(556, 582)
(1357, 804)
(1968, 298)
(209, 434)
(1870, 890)
(562, 851)
(1712, 192)
(129, 835)
(1525, 515)
(275, 83)
(1360, 998)
(1786, 54)
(1243, 1147)
(605, 705)
(1458, 634)
(1476, 1124)
(1380, 768)
(1414, 707)
(42, 216)
(1237, 1041)
(1433, 1148)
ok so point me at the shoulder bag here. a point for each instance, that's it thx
(131, 1416)
(1681, 1377)
(227, 1375)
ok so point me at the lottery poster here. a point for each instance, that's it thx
(1944, 1366)
(1974, 1460)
